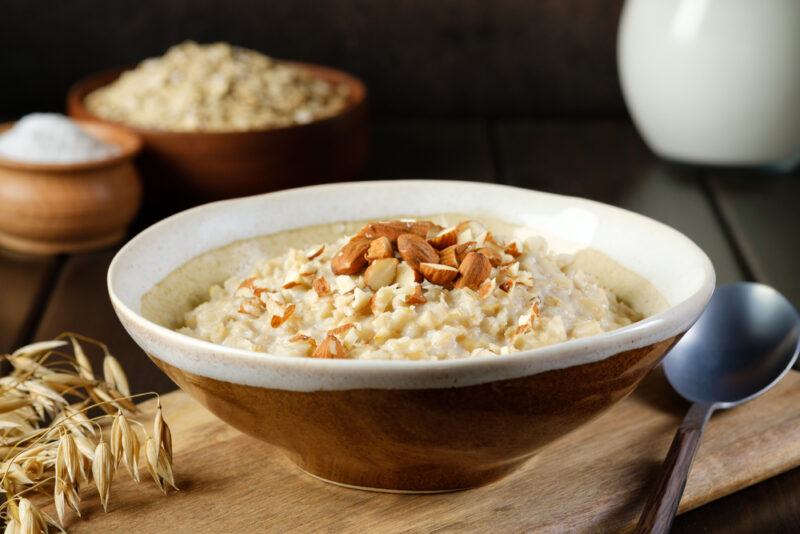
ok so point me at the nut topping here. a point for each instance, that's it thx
(454, 254)
(380, 273)
(474, 270)
(445, 238)
(380, 248)
(438, 274)
(278, 320)
(407, 276)
(321, 286)
(330, 347)
(316, 253)
(394, 229)
(350, 259)
(415, 250)
(416, 297)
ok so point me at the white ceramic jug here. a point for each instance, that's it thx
(714, 81)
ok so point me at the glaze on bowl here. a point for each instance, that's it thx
(416, 426)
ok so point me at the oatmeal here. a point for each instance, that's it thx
(409, 290)
(216, 87)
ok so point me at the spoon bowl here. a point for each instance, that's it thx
(744, 343)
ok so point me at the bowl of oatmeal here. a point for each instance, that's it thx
(408, 335)
(220, 121)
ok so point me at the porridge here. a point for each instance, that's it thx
(409, 290)
(216, 88)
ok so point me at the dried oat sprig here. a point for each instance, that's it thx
(62, 426)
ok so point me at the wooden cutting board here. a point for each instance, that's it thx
(593, 480)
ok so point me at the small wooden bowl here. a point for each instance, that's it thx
(181, 168)
(70, 207)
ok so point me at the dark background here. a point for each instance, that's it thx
(481, 58)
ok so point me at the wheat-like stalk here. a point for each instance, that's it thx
(62, 427)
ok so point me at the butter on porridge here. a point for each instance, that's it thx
(409, 290)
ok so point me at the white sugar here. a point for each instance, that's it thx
(52, 138)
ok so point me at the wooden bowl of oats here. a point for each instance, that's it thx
(219, 121)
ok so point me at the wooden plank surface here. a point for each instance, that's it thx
(593, 480)
(79, 303)
(764, 216)
(607, 161)
(589, 158)
(24, 281)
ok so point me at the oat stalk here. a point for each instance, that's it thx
(62, 427)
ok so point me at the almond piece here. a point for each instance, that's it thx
(321, 286)
(416, 297)
(380, 273)
(474, 269)
(394, 229)
(512, 250)
(415, 250)
(278, 320)
(445, 238)
(495, 257)
(486, 288)
(330, 347)
(350, 259)
(506, 285)
(454, 254)
(340, 330)
(319, 251)
(438, 274)
(407, 276)
(380, 248)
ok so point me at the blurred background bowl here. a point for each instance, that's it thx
(185, 168)
(51, 208)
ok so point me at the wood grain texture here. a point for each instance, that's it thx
(607, 161)
(662, 504)
(79, 303)
(24, 281)
(590, 481)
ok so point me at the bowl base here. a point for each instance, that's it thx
(381, 490)
(43, 246)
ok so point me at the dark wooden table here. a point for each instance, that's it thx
(747, 222)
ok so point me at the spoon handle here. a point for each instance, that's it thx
(663, 502)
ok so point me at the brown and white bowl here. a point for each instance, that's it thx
(415, 426)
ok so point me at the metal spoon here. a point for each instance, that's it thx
(743, 344)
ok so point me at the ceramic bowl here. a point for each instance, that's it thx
(184, 168)
(70, 207)
(417, 426)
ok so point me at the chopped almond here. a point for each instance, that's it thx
(438, 274)
(278, 320)
(351, 258)
(486, 288)
(444, 239)
(316, 253)
(321, 287)
(417, 297)
(415, 250)
(380, 248)
(380, 273)
(474, 270)
(330, 347)
(341, 330)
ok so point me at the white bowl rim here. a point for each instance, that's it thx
(275, 371)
